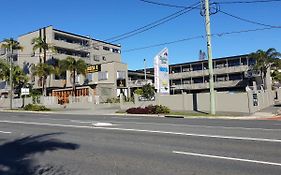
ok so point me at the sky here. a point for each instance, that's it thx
(103, 19)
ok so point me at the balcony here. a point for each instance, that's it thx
(222, 70)
(139, 83)
(63, 44)
(220, 84)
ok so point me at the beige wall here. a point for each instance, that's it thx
(115, 58)
(225, 102)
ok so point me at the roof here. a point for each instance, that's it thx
(82, 36)
(215, 59)
(194, 62)
(85, 37)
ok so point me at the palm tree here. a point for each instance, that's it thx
(42, 70)
(264, 61)
(4, 70)
(75, 67)
(11, 45)
(19, 77)
(39, 43)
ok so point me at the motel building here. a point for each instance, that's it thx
(106, 77)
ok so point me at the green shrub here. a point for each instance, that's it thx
(112, 100)
(138, 91)
(35, 107)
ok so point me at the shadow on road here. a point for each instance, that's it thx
(16, 156)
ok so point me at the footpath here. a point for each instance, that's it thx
(270, 113)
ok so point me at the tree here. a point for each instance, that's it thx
(11, 45)
(75, 67)
(19, 77)
(39, 43)
(148, 91)
(264, 61)
(42, 70)
(4, 70)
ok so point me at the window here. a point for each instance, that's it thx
(103, 75)
(96, 58)
(106, 48)
(90, 77)
(115, 50)
(121, 75)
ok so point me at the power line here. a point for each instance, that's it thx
(247, 2)
(247, 20)
(217, 2)
(162, 44)
(183, 40)
(155, 23)
(144, 28)
(197, 37)
(163, 4)
(177, 14)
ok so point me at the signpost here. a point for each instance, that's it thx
(24, 92)
(161, 72)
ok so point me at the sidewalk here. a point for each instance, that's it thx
(266, 114)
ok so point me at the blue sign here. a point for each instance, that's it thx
(163, 69)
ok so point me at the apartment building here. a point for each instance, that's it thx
(230, 74)
(103, 55)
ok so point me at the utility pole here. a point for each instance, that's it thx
(210, 60)
(144, 61)
(11, 78)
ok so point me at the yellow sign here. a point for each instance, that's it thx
(94, 68)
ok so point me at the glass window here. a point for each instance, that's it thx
(106, 48)
(121, 75)
(103, 75)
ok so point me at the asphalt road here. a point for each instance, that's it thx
(118, 145)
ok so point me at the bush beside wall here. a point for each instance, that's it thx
(35, 107)
(151, 109)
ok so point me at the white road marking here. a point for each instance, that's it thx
(123, 118)
(146, 131)
(5, 132)
(199, 126)
(227, 158)
(99, 124)
(81, 121)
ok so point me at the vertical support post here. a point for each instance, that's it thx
(11, 78)
(144, 61)
(210, 60)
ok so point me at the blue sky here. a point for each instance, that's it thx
(103, 19)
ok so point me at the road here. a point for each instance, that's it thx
(43, 143)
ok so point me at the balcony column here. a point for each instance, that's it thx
(240, 60)
(226, 62)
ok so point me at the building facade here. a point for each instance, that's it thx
(106, 56)
(230, 74)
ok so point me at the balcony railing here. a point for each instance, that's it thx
(139, 83)
(206, 85)
(205, 72)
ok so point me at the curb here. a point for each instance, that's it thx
(18, 111)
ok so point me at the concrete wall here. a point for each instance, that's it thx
(225, 102)
(18, 102)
